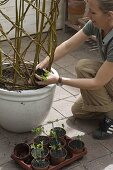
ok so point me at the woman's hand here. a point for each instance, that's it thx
(51, 79)
(43, 64)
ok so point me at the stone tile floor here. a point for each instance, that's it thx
(100, 153)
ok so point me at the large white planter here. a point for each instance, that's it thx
(21, 111)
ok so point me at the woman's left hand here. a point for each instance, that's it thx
(51, 79)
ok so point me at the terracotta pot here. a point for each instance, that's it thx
(60, 141)
(22, 151)
(42, 155)
(76, 10)
(41, 138)
(60, 132)
(57, 156)
(76, 146)
(40, 164)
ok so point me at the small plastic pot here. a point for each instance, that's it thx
(40, 72)
(60, 132)
(36, 153)
(41, 138)
(58, 156)
(22, 151)
(76, 146)
(60, 141)
(38, 164)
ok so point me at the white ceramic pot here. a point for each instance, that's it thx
(21, 111)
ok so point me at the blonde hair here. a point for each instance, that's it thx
(105, 5)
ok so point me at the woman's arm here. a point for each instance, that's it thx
(70, 44)
(103, 76)
(67, 46)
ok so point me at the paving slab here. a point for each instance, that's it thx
(11, 165)
(64, 106)
(87, 126)
(52, 115)
(94, 148)
(103, 163)
(61, 93)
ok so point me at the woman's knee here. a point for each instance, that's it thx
(77, 106)
(87, 68)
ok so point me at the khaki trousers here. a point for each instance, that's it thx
(93, 103)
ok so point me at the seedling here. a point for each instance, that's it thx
(42, 73)
(39, 130)
(56, 146)
(37, 150)
(54, 135)
(38, 153)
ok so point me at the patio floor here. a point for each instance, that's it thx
(100, 153)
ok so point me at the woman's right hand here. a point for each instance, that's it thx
(43, 64)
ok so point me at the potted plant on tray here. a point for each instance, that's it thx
(22, 151)
(39, 136)
(76, 145)
(57, 152)
(23, 105)
(39, 153)
(59, 131)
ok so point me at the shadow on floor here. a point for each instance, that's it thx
(87, 126)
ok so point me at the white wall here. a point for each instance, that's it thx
(29, 23)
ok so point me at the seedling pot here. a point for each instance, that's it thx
(60, 132)
(60, 141)
(58, 156)
(44, 153)
(40, 164)
(22, 151)
(44, 139)
(40, 72)
(76, 146)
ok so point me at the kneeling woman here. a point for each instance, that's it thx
(94, 78)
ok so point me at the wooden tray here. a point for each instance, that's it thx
(67, 161)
